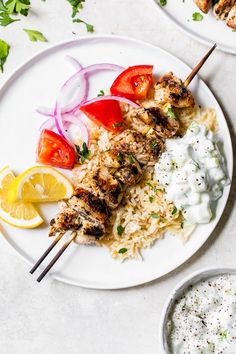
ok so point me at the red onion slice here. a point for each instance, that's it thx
(81, 78)
(74, 62)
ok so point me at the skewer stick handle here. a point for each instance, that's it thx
(48, 250)
(57, 256)
(198, 67)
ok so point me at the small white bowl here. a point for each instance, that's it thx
(193, 278)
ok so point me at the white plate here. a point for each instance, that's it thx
(36, 83)
(208, 31)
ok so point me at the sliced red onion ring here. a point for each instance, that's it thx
(81, 78)
(83, 128)
(45, 111)
(110, 97)
(74, 62)
(59, 122)
(50, 124)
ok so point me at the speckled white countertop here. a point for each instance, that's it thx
(54, 318)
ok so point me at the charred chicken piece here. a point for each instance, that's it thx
(145, 149)
(223, 7)
(204, 5)
(231, 19)
(85, 213)
(170, 89)
(165, 126)
(103, 184)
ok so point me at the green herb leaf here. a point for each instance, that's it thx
(18, 6)
(151, 198)
(196, 16)
(223, 335)
(163, 2)
(154, 216)
(35, 36)
(117, 125)
(101, 93)
(2, 6)
(174, 211)
(171, 113)
(131, 158)
(4, 51)
(120, 230)
(123, 250)
(5, 19)
(83, 153)
(89, 27)
(76, 5)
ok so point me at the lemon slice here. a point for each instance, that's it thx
(18, 214)
(40, 184)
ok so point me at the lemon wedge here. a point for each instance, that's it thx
(40, 184)
(19, 214)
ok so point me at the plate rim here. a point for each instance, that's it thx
(200, 39)
(59, 44)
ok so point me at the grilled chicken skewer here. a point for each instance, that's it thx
(88, 210)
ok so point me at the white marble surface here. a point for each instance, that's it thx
(54, 318)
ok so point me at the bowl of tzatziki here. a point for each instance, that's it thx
(199, 316)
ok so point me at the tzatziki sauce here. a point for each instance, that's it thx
(203, 319)
(192, 172)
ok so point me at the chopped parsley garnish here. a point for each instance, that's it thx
(131, 158)
(153, 144)
(196, 16)
(4, 51)
(174, 211)
(120, 157)
(101, 93)
(223, 335)
(35, 36)
(163, 2)
(151, 198)
(76, 5)
(117, 125)
(171, 113)
(83, 153)
(89, 27)
(120, 229)
(122, 250)
(18, 6)
(5, 19)
(154, 216)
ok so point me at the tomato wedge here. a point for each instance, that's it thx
(134, 82)
(106, 113)
(55, 151)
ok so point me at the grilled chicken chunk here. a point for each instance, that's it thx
(204, 5)
(145, 149)
(231, 19)
(223, 7)
(102, 183)
(165, 126)
(84, 212)
(170, 89)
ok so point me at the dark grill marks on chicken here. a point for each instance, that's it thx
(166, 127)
(145, 149)
(172, 90)
(223, 7)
